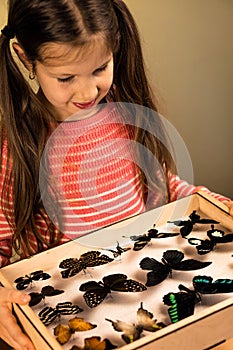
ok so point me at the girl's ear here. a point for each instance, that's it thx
(22, 56)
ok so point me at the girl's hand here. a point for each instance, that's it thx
(10, 331)
(229, 204)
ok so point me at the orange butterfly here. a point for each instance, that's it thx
(63, 333)
(95, 343)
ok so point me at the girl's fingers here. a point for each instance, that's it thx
(10, 331)
(12, 334)
(13, 296)
(229, 204)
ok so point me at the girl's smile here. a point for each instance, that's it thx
(85, 105)
(74, 78)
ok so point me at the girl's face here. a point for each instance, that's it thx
(74, 78)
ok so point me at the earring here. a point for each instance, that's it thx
(32, 75)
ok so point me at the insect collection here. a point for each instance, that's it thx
(107, 297)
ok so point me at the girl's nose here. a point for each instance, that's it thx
(86, 92)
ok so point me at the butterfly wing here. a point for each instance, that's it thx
(205, 285)
(48, 315)
(72, 266)
(159, 271)
(69, 263)
(167, 234)
(95, 293)
(140, 241)
(22, 282)
(207, 221)
(181, 305)
(202, 246)
(172, 257)
(50, 291)
(35, 298)
(128, 285)
(140, 245)
(79, 325)
(120, 283)
(101, 260)
(191, 264)
(111, 279)
(131, 332)
(186, 229)
(95, 343)
(145, 320)
(67, 308)
(218, 236)
(39, 275)
(62, 333)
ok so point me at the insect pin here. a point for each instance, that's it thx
(73, 266)
(63, 333)
(187, 225)
(24, 281)
(171, 260)
(48, 315)
(132, 331)
(96, 292)
(47, 291)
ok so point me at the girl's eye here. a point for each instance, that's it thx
(65, 80)
(101, 69)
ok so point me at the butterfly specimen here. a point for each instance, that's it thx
(187, 225)
(49, 314)
(142, 240)
(132, 331)
(63, 333)
(89, 259)
(96, 292)
(206, 285)
(119, 250)
(23, 282)
(95, 343)
(47, 291)
(205, 246)
(171, 260)
(181, 304)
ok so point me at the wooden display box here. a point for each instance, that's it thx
(204, 330)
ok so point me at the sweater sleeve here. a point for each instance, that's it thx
(5, 241)
(6, 231)
(180, 188)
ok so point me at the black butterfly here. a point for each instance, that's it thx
(205, 285)
(171, 260)
(205, 246)
(49, 314)
(181, 304)
(133, 331)
(142, 240)
(23, 282)
(89, 259)
(119, 250)
(47, 291)
(96, 292)
(187, 225)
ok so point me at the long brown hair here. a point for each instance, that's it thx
(25, 122)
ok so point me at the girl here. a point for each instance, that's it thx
(84, 53)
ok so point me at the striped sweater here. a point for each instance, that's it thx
(92, 179)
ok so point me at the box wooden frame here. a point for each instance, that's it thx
(205, 330)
